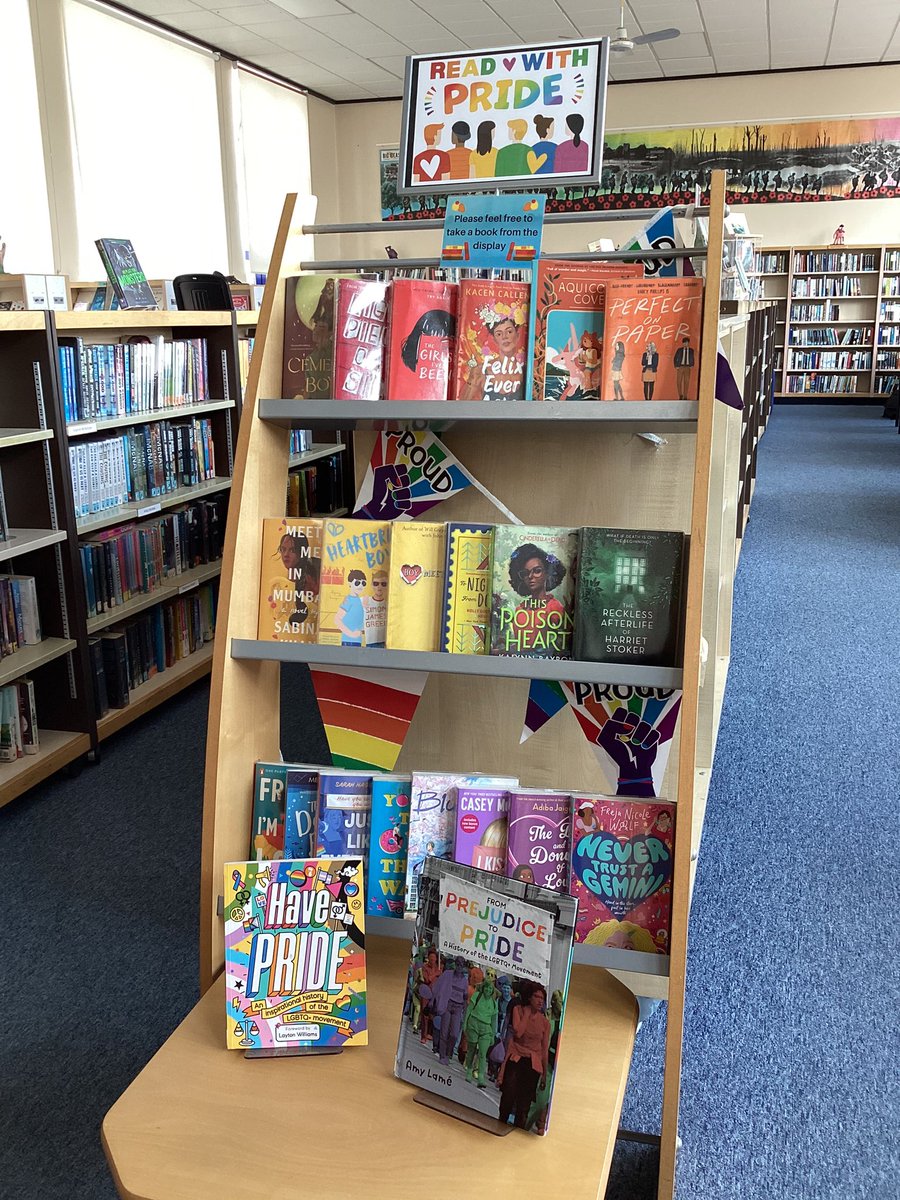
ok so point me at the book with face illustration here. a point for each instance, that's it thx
(532, 610)
(651, 339)
(289, 580)
(354, 583)
(492, 339)
(421, 336)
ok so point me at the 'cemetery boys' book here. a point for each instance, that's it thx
(532, 611)
(389, 830)
(651, 339)
(269, 800)
(295, 959)
(308, 360)
(481, 822)
(301, 807)
(343, 811)
(539, 837)
(125, 274)
(353, 595)
(467, 595)
(421, 334)
(491, 341)
(416, 585)
(289, 580)
(629, 596)
(491, 959)
(622, 854)
(359, 339)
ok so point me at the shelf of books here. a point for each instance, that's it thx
(156, 690)
(146, 506)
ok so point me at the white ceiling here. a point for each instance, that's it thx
(355, 49)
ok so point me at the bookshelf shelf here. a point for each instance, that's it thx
(314, 453)
(23, 437)
(157, 690)
(29, 658)
(178, 586)
(484, 665)
(24, 541)
(153, 504)
(83, 428)
(246, 317)
(129, 319)
(57, 749)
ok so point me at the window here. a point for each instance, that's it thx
(631, 570)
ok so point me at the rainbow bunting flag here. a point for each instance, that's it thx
(545, 699)
(366, 713)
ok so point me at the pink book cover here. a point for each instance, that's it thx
(481, 820)
(539, 836)
(359, 339)
(421, 335)
(622, 853)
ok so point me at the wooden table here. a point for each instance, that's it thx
(204, 1123)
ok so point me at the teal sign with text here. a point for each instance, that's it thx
(492, 232)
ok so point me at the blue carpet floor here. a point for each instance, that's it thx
(791, 1031)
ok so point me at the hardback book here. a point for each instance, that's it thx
(300, 811)
(359, 339)
(269, 801)
(344, 810)
(388, 835)
(353, 595)
(539, 837)
(467, 588)
(629, 594)
(308, 360)
(421, 336)
(490, 961)
(651, 339)
(125, 274)
(115, 668)
(289, 580)
(533, 591)
(568, 326)
(481, 824)
(416, 585)
(622, 858)
(295, 959)
(31, 741)
(491, 342)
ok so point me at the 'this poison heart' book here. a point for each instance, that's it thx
(467, 596)
(532, 613)
(416, 585)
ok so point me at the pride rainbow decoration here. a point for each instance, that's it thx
(545, 699)
(409, 472)
(366, 713)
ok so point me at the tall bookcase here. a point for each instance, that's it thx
(594, 468)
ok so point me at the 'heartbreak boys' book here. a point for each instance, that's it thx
(467, 589)
(389, 833)
(622, 853)
(308, 360)
(359, 339)
(533, 593)
(490, 964)
(629, 596)
(354, 583)
(416, 585)
(289, 580)
(295, 959)
(491, 340)
(651, 339)
(421, 335)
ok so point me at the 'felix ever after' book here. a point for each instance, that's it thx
(532, 611)
(486, 993)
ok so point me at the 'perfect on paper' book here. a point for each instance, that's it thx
(532, 613)
(651, 339)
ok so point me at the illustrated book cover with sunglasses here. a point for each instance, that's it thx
(353, 596)
(289, 580)
(533, 591)
(629, 596)
(492, 340)
(416, 585)
(421, 336)
(295, 956)
(486, 993)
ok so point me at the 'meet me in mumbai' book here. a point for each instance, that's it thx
(491, 340)
(308, 360)
(359, 339)
(295, 959)
(416, 586)
(533, 593)
(353, 597)
(629, 596)
(622, 855)
(651, 339)
(490, 964)
(388, 835)
(125, 274)
(467, 596)
(269, 801)
(421, 336)
(289, 580)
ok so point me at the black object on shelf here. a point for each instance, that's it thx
(209, 293)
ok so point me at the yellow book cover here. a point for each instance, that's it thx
(354, 592)
(289, 580)
(416, 585)
(467, 591)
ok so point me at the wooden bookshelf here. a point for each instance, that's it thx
(150, 505)
(28, 658)
(176, 585)
(58, 749)
(157, 690)
(76, 429)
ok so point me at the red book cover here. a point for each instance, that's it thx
(491, 340)
(651, 341)
(361, 313)
(568, 326)
(422, 331)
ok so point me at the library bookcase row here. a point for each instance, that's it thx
(172, 1123)
(116, 460)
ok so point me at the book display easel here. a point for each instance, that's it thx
(589, 463)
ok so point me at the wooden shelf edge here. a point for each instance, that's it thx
(135, 509)
(31, 658)
(156, 691)
(57, 749)
(22, 437)
(77, 429)
(187, 581)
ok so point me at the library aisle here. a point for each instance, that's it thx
(793, 918)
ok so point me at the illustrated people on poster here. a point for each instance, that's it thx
(527, 1059)
(376, 611)
(302, 572)
(616, 367)
(572, 155)
(543, 153)
(460, 156)
(513, 159)
(684, 364)
(534, 574)
(484, 156)
(322, 321)
(649, 368)
(351, 616)
(497, 370)
(431, 164)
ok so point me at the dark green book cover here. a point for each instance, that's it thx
(629, 596)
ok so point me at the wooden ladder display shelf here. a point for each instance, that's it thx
(173, 1133)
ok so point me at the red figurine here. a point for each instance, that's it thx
(838, 236)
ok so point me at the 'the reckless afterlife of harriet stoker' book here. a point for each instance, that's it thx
(532, 611)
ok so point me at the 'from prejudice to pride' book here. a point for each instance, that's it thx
(467, 589)
(416, 585)
(353, 595)
(289, 580)
(421, 336)
(491, 341)
(532, 612)
(651, 339)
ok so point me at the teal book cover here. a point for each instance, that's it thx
(533, 592)
(388, 837)
(269, 802)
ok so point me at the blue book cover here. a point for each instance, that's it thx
(300, 812)
(386, 874)
(344, 809)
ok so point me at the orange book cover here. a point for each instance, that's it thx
(651, 339)
(422, 332)
(491, 340)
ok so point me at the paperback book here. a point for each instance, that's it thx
(651, 339)
(421, 335)
(539, 837)
(481, 826)
(343, 811)
(486, 993)
(125, 274)
(295, 960)
(308, 360)
(301, 807)
(289, 580)
(467, 589)
(416, 585)
(353, 597)
(389, 832)
(359, 339)
(269, 801)
(491, 340)
(533, 594)
(622, 857)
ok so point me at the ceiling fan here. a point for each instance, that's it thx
(623, 44)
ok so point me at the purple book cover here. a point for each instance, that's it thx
(539, 838)
(344, 812)
(481, 815)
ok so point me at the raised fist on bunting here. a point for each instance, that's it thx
(631, 743)
(390, 490)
